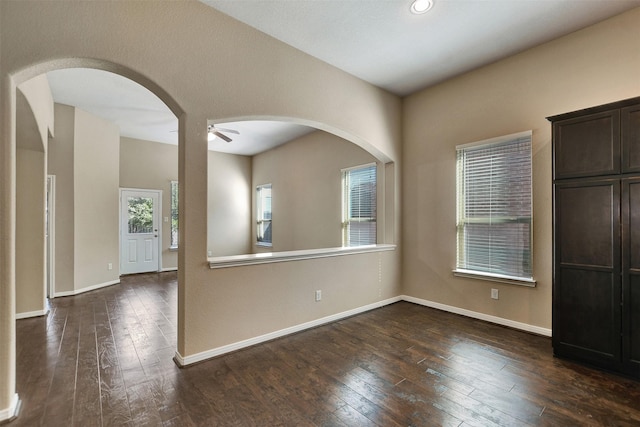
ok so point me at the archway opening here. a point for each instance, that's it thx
(302, 167)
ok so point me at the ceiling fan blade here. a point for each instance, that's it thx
(220, 135)
(227, 130)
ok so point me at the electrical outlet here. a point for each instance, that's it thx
(109, 266)
(318, 295)
(494, 293)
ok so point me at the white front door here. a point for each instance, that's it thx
(139, 230)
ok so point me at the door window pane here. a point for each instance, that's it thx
(140, 214)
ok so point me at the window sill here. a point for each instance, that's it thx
(273, 257)
(510, 280)
(264, 245)
(173, 248)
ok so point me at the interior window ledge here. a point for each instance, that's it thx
(511, 280)
(272, 257)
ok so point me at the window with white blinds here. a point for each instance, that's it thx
(494, 218)
(359, 208)
(174, 214)
(264, 216)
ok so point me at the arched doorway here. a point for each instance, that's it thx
(9, 190)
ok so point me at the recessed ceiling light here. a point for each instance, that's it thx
(419, 7)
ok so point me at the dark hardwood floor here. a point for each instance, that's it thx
(105, 358)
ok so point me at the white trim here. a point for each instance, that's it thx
(272, 257)
(501, 278)
(199, 357)
(183, 361)
(51, 240)
(366, 165)
(28, 314)
(497, 140)
(12, 411)
(481, 316)
(87, 289)
(164, 270)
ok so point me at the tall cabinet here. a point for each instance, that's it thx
(596, 234)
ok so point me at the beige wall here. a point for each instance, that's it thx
(30, 232)
(34, 119)
(84, 157)
(229, 204)
(152, 166)
(39, 99)
(96, 220)
(60, 164)
(306, 188)
(169, 48)
(597, 65)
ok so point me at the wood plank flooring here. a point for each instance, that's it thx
(105, 359)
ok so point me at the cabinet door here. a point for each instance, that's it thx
(631, 275)
(630, 131)
(587, 145)
(586, 292)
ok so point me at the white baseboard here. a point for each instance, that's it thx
(199, 357)
(28, 314)
(12, 410)
(87, 289)
(169, 269)
(481, 316)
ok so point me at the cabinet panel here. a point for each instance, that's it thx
(631, 275)
(630, 131)
(586, 217)
(587, 285)
(586, 315)
(631, 224)
(633, 322)
(587, 146)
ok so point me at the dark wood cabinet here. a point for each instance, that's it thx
(630, 127)
(596, 228)
(586, 307)
(631, 275)
(587, 145)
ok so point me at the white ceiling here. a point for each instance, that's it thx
(137, 111)
(257, 136)
(383, 43)
(379, 41)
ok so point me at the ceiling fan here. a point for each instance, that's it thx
(216, 131)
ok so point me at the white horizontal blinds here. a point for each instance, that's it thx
(264, 219)
(494, 207)
(360, 208)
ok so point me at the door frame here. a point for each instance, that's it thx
(157, 213)
(51, 236)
